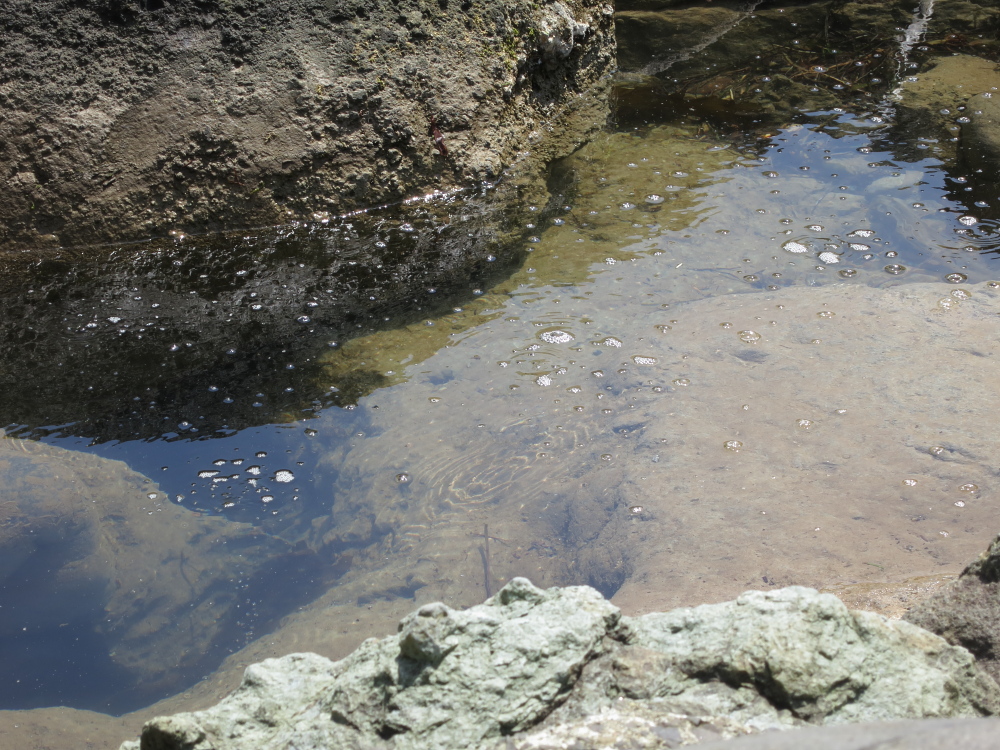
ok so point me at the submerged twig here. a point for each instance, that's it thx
(485, 552)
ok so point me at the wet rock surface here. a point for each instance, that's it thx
(746, 41)
(955, 99)
(527, 664)
(780, 60)
(125, 119)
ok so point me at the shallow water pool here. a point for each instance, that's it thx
(732, 351)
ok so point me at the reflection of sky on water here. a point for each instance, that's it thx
(827, 189)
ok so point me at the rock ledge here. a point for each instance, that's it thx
(536, 669)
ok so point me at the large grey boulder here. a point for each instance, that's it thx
(533, 668)
(124, 119)
(813, 660)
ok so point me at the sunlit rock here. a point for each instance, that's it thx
(529, 664)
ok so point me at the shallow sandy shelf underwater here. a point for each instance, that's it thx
(850, 442)
(864, 454)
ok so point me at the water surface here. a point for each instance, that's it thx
(735, 348)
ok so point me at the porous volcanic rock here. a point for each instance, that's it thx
(123, 119)
(529, 664)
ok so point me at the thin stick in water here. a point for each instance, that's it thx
(484, 551)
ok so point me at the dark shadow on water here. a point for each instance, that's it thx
(204, 337)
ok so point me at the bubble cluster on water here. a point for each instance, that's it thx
(948, 303)
(556, 337)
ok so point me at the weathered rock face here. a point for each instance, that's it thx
(967, 612)
(529, 664)
(123, 119)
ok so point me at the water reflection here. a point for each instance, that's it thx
(207, 336)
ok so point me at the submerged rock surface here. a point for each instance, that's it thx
(529, 665)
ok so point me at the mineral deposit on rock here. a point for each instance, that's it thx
(529, 665)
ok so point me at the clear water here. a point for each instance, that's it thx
(538, 391)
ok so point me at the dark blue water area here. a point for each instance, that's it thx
(256, 475)
(270, 484)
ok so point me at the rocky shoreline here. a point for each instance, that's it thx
(563, 668)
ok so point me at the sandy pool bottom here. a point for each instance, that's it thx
(833, 436)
